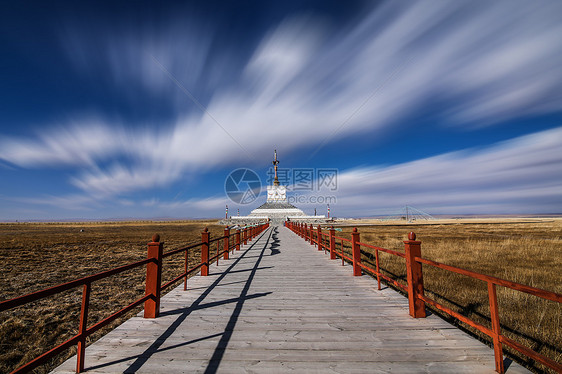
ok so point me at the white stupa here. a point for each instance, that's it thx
(276, 209)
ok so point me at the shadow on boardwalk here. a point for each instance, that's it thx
(197, 305)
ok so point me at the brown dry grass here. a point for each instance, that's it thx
(525, 251)
(37, 256)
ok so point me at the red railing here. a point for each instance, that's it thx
(414, 287)
(153, 288)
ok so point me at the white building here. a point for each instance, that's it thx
(276, 208)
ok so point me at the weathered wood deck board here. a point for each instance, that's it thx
(278, 306)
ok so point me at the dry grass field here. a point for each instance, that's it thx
(527, 251)
(37, 256)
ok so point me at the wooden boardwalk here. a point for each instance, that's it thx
(278, 306)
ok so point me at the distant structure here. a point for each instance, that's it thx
(409, 214)
(276, 209)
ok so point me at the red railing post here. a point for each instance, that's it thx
(378, 269)
(319, 238)
(226, 248)
(495, 317)
(80, 355)
(332, 243)
(356, 250)
(245, 234)
(237, 239)
(185, 267)
(205, 238)
(311, 235)
(305, 232)
(414, 276)
(153, 277)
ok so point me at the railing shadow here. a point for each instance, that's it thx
(213, 304)
(131, 370)
(522, 354)
(218, 354)
(275, 242)
(470, 311)
(228, 271)
(183, 314)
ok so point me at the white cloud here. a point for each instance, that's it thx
(79, 144)
(523, 175)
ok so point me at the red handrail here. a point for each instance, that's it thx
(34, 296)
(548, 295)
(414, 289)
(80, 339)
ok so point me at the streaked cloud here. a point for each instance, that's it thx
(477, 63)
(522, 175)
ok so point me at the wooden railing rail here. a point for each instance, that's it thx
(153, 288)
(415, 290)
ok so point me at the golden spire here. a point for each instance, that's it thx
(275, 162)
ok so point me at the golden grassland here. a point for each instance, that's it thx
(526, 251)
(39, 255)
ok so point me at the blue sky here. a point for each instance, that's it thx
(142, 109)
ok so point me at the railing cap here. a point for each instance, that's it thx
(155, 238)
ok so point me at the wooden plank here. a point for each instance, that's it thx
(288, 310)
